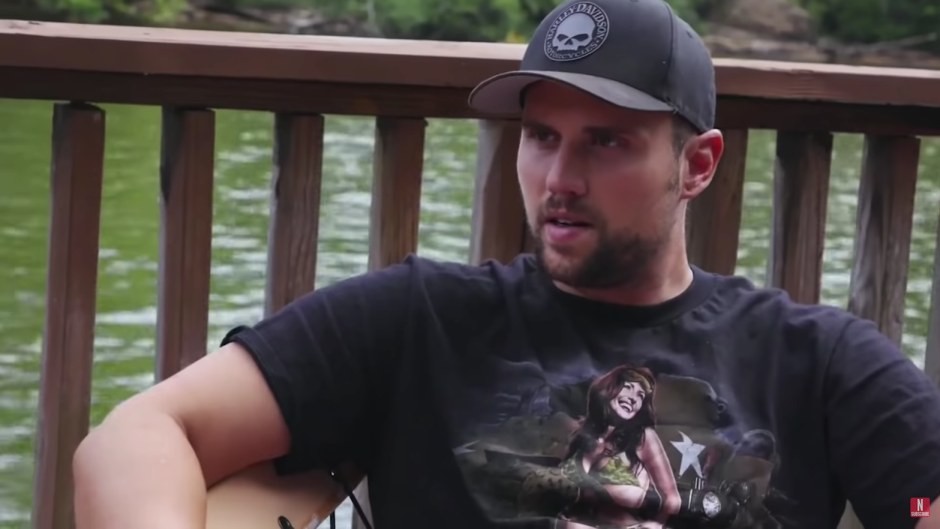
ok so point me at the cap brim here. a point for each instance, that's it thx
(501, 94)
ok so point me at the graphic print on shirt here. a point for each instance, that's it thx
(626, 449)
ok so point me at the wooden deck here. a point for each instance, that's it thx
(401, 83)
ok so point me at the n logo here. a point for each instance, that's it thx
(920, 507)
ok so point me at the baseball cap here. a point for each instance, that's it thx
(635, 54)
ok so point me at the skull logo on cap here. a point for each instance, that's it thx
(576, 32)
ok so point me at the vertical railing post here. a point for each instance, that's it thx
(883, 241)
(186, 192)
(499, 224)
(398, 166)
(883, 231)
(295, 209)
(801, 194)
(71, 290)
(932, 351)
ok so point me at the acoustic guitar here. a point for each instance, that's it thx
(257, 497)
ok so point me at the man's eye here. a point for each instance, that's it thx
(541, 135)
(604, 140)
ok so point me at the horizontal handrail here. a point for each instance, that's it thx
(403, 83)
(353, 60)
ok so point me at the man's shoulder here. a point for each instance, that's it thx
(771, 309)
(450, 283)
(438, 273)
(455, 293)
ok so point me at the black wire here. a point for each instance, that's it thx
(284, 523)
(352, 498)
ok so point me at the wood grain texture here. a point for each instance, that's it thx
(801, 193)
(498, 220)
(71, 290)
(814, 116)
(165, 51)
(295, 209)
(883, 232)
(397, 100)
(715, 215)
(396, 190)
(186, 199)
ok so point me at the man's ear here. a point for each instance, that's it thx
(701, 155)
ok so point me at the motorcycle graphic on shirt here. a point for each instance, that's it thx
(624, 450)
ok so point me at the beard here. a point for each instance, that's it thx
(619, 258)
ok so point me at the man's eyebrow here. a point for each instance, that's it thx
(591, 129)
(529, 123)
(616, 130)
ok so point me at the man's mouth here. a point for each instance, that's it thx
(567, 221)
(564, 229)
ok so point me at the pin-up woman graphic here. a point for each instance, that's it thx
(618, 461)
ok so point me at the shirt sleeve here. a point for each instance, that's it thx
(883, 420)
(328, 358)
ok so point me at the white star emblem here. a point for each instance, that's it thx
(690, 452)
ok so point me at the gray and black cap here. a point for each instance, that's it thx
(634, 54)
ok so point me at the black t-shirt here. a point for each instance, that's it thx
(483, 396)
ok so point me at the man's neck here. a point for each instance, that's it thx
(666, 278)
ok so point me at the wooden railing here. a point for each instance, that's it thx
(301, 79)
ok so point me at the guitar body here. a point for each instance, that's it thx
(255, 497)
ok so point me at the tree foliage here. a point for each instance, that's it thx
(455, 20)
(869, 21)
(500, 20)
(104, 11)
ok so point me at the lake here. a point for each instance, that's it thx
(124, 341)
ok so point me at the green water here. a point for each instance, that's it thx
(124, 341)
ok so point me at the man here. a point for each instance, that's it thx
(601, 383)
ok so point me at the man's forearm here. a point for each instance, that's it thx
(138, 470)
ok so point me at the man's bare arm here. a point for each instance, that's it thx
(151, 460)
(930, 523)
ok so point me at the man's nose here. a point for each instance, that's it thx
(566, 176)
